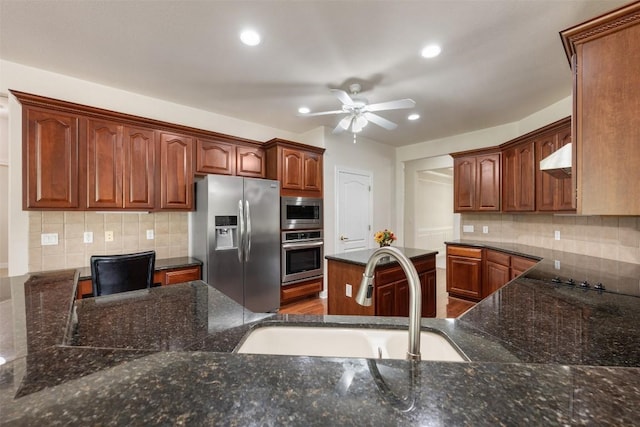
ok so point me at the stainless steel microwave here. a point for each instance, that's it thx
(298, 213)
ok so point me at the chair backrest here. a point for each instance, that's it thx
(111, 274)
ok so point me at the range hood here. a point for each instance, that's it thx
(558, 163)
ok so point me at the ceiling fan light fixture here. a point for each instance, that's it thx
(431, 51)
(358, 124)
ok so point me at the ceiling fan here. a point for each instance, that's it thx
(360, 112)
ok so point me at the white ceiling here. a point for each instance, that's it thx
(501, 60)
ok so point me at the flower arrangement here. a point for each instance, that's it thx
(384, 237)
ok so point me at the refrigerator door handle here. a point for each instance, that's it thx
(247, 249)
(241, 231)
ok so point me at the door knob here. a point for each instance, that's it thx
(343, 238)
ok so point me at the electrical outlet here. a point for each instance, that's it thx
(150, 234)
(88, 237)
(557, 234)
(467, 228)
(47, 239)
(108, 236)
(485, 229)
(349, 290)
(556, 264)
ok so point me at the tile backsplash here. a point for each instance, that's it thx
(609, 237)
(170, 229)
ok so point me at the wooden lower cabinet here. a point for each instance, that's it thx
(160, 278)
(391, 295)
(300, 290)
(475, 273)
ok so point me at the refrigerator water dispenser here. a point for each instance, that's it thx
(226, 232)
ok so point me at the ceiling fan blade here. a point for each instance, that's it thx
(392, 105)
(342, 96)
(321, 113)
(343, 124)
(380, 121)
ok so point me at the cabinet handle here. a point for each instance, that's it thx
(343, 237)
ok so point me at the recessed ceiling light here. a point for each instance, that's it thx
(431, 51)
(304, 110)
(413, 117)
(250, 37)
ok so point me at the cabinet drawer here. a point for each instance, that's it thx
(182, 275)
(300, 290)
(499, 258)
(464, 251)
(388, 275)
(425, 264)
(521, 263)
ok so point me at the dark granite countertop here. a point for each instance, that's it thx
(160, 264)
(361, 257)
(539, 354)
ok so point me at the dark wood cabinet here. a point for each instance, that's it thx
(606, 117)
(304, 289)
(297, 167)
(120, 166)
(251, 162)
(51, 158)
(391, 288)
(519, 178)
(176, 171)
(215, 157)
(475, 273)
(476, 182)
(553, 193)
(464, 272)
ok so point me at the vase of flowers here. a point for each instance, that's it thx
(384, 237)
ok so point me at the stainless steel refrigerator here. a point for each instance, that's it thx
(236, 233)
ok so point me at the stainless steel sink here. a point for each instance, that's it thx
(345, 342)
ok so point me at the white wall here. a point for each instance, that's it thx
(41, 82)
(4, 184)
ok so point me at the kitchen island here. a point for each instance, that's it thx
(391, 288)
(77, 362)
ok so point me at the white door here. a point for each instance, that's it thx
(353, 209)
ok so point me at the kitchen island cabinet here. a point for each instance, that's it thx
(391, 288)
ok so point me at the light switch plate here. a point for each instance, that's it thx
(467, 228)
(556, 234)
(485, 229)
(150, 234)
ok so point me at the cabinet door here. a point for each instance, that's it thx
(464, 184)
(385, 300)
(215, 157)
(291, 169)
(401, 299)
(519, 178)
(139, 168)
(51, 160)
(564, 194)
(251, 162)
(464, 277)
(105, 161)
(312, 164)
(428, 282)
(176, 171)
(497, 276)
(488, 182)
(546, 185)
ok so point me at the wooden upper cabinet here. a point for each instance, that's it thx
(251, 162)
(606, 60)
(176, 171)
(476, 182)
(105, 163)
(215, 157)
(51, 159)
(296, 166)
(552, 193)
(139, 167)
(519, 177)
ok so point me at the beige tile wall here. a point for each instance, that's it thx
(608, 237)
(171, 236)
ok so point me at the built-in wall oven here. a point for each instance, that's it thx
(300, 213)
(302, 255)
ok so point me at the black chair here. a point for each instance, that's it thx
(111, 274)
